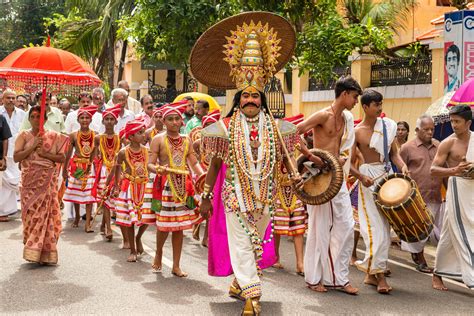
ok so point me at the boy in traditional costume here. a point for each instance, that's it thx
(158, 128)
(455, 159)
(130, 186)
(291, 218)
(106, 148)
(81, 178)
(171, 157)
(195, 136)
(245, 148)
(374, 137)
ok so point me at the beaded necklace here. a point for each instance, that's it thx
(137, 162)
(177, 155)
(109, 147)
(85, 143)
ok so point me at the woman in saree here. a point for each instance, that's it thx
(39, 155)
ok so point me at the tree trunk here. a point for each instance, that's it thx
(111, 61)
(123, 54)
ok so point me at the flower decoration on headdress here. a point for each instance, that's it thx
(252, 51)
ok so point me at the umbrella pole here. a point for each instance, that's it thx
(43, 106)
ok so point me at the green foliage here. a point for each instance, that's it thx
(166, 30)
(21, 22)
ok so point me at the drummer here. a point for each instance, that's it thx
(454, 159)
(418, 155)
(374, 137)
(331, 225)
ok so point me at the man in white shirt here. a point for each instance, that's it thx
(98, 98)
(11, 176)
(119, 96)
(132, 104)
(72, 125)
(55, 119)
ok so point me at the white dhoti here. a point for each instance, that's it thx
(374, 227)
(9, 188)
(437, 212)
(242, 255)
(455, 252)
(330, 241)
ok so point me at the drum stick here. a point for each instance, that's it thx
(171, 170)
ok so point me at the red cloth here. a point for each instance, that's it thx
(131, 128)
(210, 118)
(114, 111)
(174, 108)
(295, 119)
(89, 110)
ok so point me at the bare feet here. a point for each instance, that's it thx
(318, 288)
(3, 219)
(75, 224)
(179, 273)
(109, 234)
(88, 229)
(300, 270)
(196, 230)
(204, 242)
(139, 246)
(349, 289)
(132, 257)
(278, 266)
(370, 279)
(353, 260)
(102, 229)
(155, 268)
(382, 286)
(125, 245)
(438, 284)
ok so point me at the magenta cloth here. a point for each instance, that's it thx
(463, 95)
(218, 255)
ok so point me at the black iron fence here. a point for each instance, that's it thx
(401, 71)
(213, 92)
(316, 85)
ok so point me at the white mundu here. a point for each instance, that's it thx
(331, 229)
(455, 252)
(374, 227)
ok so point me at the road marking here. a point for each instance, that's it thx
(445, 279)
(164, 261)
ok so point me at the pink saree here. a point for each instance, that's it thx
(218, 256)
(40, 212)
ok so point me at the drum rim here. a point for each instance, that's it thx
(392, 176)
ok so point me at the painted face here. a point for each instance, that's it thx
(138, 137)
(148, 106)
(425, 131)
(173, 122)
(109, 121)
(452, 64)
(459, 124)
(250, 101)
(84, 120)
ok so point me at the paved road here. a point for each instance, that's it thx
(93, 278)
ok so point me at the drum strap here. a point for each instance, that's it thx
(386, 158)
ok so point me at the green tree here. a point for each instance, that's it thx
(21, 23)
(90, 31)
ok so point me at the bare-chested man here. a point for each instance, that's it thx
(171, 157)
(331, 225)
(374, 227)
(455, 159)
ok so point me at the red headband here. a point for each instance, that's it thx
(131, 128)
(114, 111)
(89, 110)
(212, 117)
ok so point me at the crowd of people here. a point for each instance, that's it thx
(177, 165)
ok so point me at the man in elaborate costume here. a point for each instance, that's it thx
(245, 148)
(455, 159)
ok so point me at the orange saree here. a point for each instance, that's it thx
(40, 212)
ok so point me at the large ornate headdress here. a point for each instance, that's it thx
(256, 46)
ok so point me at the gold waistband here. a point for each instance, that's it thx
(81, 160)
(135, 179)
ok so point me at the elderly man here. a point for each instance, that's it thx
(11, 176)
(98, 99)
(418, 155)
(147, 110)
(65, 107)
(119, 96)
(55, 120)
(132, 104)
(22, 102)
(72, 125)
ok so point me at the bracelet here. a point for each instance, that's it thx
(207, 195)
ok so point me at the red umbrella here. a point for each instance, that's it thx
(47, 68)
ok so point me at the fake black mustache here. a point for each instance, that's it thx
(249, 103)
